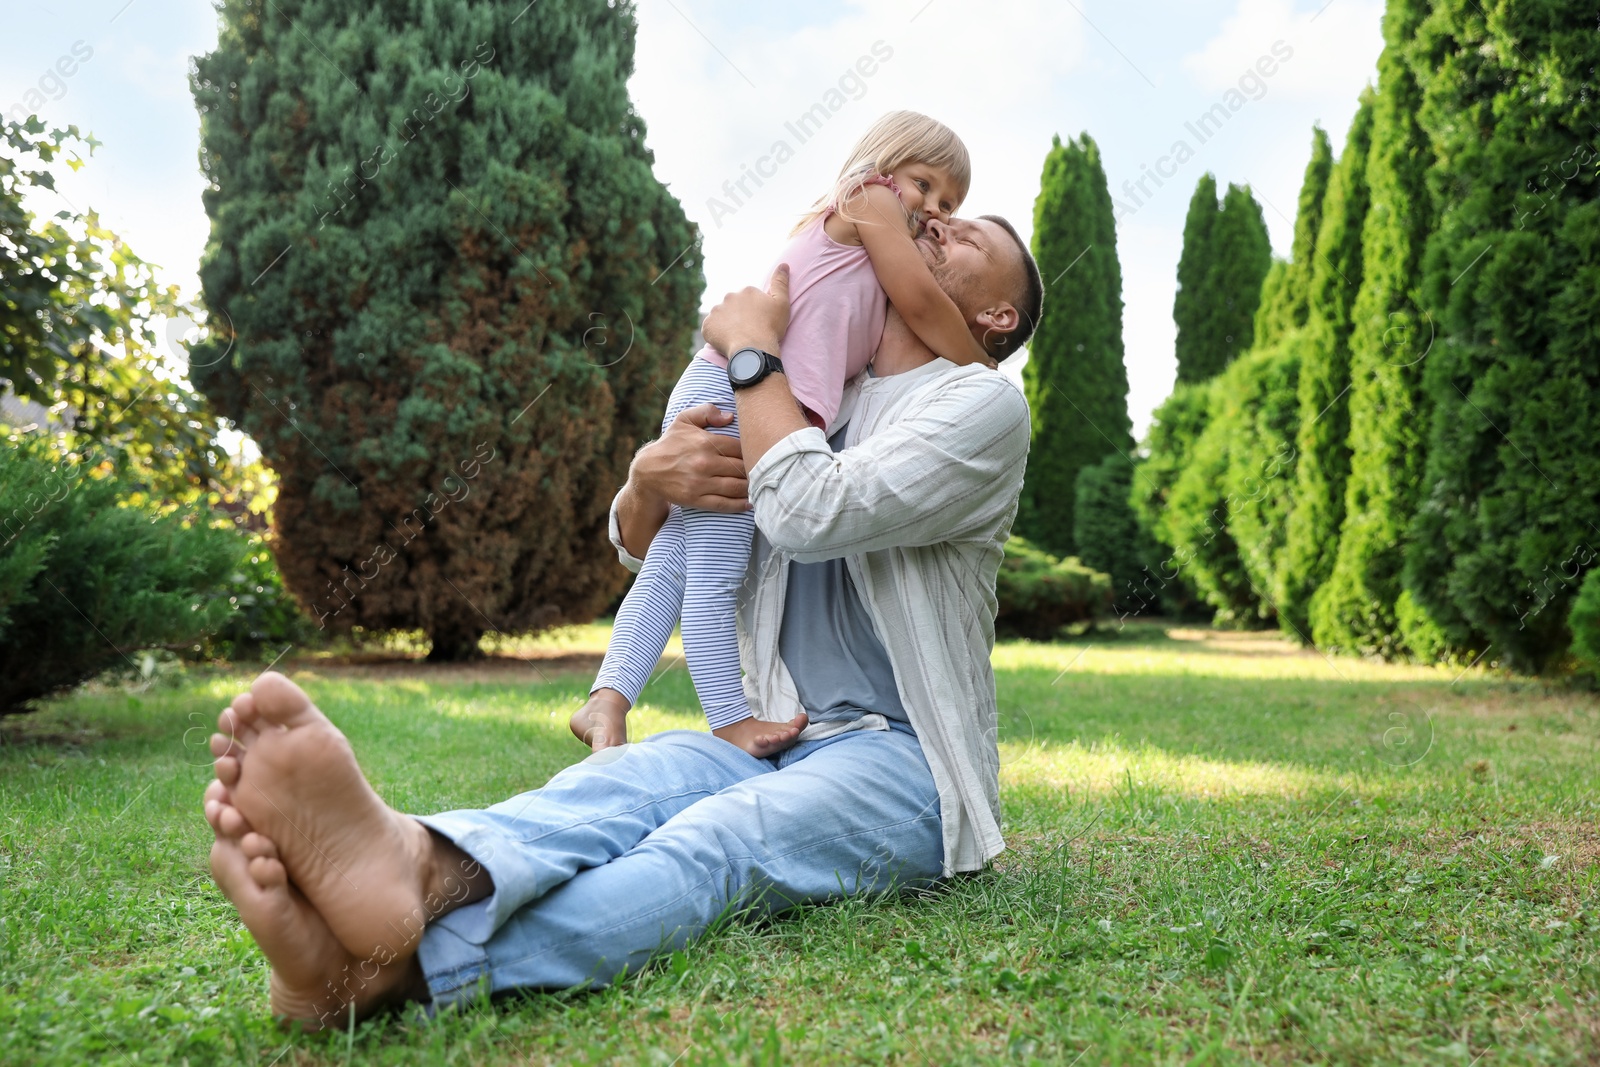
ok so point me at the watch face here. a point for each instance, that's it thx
(745, 365)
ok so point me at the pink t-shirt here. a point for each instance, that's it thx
(836, 318)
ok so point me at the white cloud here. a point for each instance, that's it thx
(1328, 45)
(717, 97)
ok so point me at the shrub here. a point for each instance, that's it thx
(85, 580)
(1039, 594)
(1110, 538)
(1584, 622)
(458, 296)
(265, 617)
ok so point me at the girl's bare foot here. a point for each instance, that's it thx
(761, 738)
(374, 875)
(316, 981)
(602, 722)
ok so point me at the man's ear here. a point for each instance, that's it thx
(1000, 319)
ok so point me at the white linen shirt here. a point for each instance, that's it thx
(919, 503)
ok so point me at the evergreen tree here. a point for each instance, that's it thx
(1076, 383)
(1225, 259)
(1260, 434)
(1389, 342)
(1508, 529)
(1241, 254)
(1192, 309)
(1322, 451)
(1168, 449)
(1109, 536)
(1276, 308)
(457, 295)
(1286, 294)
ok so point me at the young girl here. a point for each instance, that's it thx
(854, 248)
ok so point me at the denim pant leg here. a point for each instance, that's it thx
(852, 814)
(589, 813)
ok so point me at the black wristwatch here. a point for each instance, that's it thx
(747, 366)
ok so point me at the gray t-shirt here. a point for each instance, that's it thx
(840, 668)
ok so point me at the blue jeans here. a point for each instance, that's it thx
(636, 851)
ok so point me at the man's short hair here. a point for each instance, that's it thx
(1031, 304)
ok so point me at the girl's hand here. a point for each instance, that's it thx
(750, 318)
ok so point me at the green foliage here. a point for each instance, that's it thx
(1583, 622)
(1286, 294)
(1507, 528)
(1039, 593)
(1227, 508)
(459, 297)
(1322, 447)
(1391, 337)
(1259, 482)
(1226, 257)
(1169, 444)
(265, 618)
(1274, 312)
(1110, 538)
(1075, 380)
(85, 580)
(1191, 305)
(77, 336)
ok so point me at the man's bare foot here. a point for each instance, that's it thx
(376, 876)
(602, 722)
(761, 738)
(316, 981)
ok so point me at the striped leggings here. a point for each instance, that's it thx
(693, 569)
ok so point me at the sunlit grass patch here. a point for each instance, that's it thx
(1221, 848)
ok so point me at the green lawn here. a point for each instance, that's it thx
(1222, 851)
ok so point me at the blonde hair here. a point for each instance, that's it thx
(900, 137)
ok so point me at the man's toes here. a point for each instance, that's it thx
(226, 768)
(231, 822)
(258, 846)
(265, 866)
(244, 712)
(268, 874)
(280, 702)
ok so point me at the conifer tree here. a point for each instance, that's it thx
(1510, 523)
(1226, 256)
(1322, 451)
(1286, 294)
(1076, 383)
(456, 295)
(1191, 307)
(1390, 339)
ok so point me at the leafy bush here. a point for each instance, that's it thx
(1585, 625)
(86, 580)
(1111, 540)
(1039, 594)
(265, 617)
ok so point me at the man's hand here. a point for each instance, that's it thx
(751, 318)
(691, 467)
(687, 466)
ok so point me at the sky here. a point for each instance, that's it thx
(719, 82)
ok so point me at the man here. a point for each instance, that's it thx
(870, 605)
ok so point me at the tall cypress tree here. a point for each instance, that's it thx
(1241, 253)
(1226, 256)
(456, 293)
(1511, 520)
(1076, 383)
(1389, 342)
(1192, 305)
(1322, 450)
(1286, 294)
